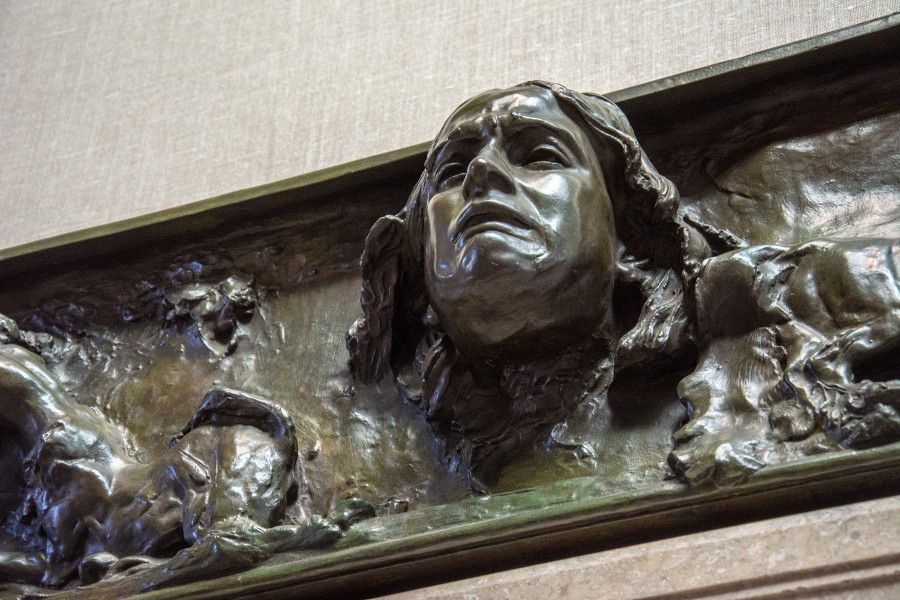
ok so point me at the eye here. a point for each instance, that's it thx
(449, 173)
(196, 470)
(545, 156)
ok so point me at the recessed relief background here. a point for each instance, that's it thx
(673, 302)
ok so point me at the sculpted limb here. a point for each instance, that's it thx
(719, 444)
(65, 448)
(238, 543)
(826, 318)
(27, 567)
(232, 546)
(215, 499)
(32, 400)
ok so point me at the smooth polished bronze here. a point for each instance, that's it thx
(562, 346)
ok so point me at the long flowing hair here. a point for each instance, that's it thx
(399, 337)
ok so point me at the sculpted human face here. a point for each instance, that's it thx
(520, 249)
(223, 472)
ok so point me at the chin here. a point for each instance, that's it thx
(502, 318)
(491, 253)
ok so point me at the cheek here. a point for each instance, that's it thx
(568, 206)
(441, 211)
(593, 208)
(579, 221)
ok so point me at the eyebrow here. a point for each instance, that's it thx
(195, 462)
(526, 123)
(461, 133)
(515, 123)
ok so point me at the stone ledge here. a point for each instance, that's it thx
(850, 551)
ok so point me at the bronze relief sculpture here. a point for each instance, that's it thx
(490, 297)
(216, 500)
(548, 321)
(542, 260)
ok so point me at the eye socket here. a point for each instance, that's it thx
(196, 470)
(545, 156)
(448, 173)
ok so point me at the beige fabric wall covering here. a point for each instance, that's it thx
(112, 109)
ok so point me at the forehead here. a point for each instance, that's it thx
(504, 109)
(215, 444)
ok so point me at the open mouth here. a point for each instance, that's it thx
(482, 217)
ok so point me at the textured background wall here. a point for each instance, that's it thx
(112, 109)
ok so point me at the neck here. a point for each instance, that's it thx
(492, 412)
(549, 389)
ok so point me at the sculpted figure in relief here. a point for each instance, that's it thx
(549, 307)
(542, 273)
(85, 508)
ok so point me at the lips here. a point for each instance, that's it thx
(483, 216)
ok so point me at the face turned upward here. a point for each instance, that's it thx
(520, 240)
(223, 472)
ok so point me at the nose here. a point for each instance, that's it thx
(197, 516)
(489, 171)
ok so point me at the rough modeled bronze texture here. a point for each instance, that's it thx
(542, 268)
(546, 305)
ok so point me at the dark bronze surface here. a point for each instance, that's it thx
(548, 316)
(541, 290)
(491, 295)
